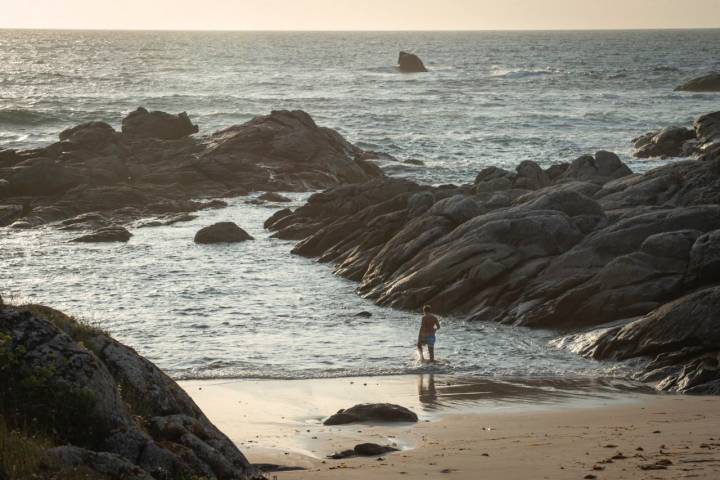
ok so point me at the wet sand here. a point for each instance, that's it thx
(470, 428)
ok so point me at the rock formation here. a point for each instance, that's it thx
(410, 63)
(569, 246)
(222, 232)
(705, 83)
(153, 167)
(104, 407)
(105, 235)
(677, 141)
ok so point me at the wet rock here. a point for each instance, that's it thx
(273, 197)
(275, 217)
(600, 168)
(158, 124)
(705, 83)
(105, 235)
(410, 63)
(668, 142)
(272, 467)
(171, 220)
(363, 314)
(372, 412)
(91, 135)
(9, 213)
(222, 232)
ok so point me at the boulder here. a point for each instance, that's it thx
(222, 232)
(275, 217)
(668, 142)
(600, 168)
(105, 235)
(158, 124)
(410, 63)
(705, 83)
(372, 412)
(372, 449)
(91, 135)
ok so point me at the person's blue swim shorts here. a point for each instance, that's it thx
(429, 340)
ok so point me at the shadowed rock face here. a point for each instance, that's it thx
(153, 167)
(135, 421)
(681, 339)
(705, 83)
(573, 245)
(410, 63)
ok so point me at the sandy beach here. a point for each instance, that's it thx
(470, 429)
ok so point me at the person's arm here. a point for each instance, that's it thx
(437, 324)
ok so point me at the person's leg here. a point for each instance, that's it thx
(431, 351)
(420, 351)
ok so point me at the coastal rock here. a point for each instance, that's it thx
(681, 339)
(668, 142)
(600, 168)
(107, 408)
(372, 449)
(273, 197)
(156, 168)
(410, 63)
(277, 216)
(222, 232)
(705, 83)
(372, 412)
(106, 235)
(158, 124)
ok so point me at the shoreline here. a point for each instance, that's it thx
(280, 422)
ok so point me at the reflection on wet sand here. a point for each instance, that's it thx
(451, 391)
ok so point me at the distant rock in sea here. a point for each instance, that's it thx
(678, 141)
(705, 83)
(410, 63)
(222, 232)
(106, 235)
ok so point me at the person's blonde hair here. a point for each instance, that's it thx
(426, 309)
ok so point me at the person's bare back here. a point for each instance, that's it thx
(428, 326)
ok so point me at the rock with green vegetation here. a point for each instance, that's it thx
(102, 406)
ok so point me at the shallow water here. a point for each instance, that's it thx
(251, 309)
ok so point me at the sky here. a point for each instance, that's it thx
(359, 14)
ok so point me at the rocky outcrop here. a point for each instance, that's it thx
(668, 142)
(705, 83)
(222, 232)
(680, 340)
(570, 246)
(677, 141)
(106, 235)
(105, 407)
(158, 125)
(154, 167)
(372, 412)
(410, 63)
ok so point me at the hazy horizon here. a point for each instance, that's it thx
(356, 15)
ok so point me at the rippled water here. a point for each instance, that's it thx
(254, 310)
(251, 309)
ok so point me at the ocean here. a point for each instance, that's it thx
(255, 310)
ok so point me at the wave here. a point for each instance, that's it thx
(522, 73)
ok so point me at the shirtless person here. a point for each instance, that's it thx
(428, 327)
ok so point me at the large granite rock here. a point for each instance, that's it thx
(410, 63)
(106, 235)
(705, 83)
(154, 167)
(668, 142)
(108, 409)
(158, 124)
